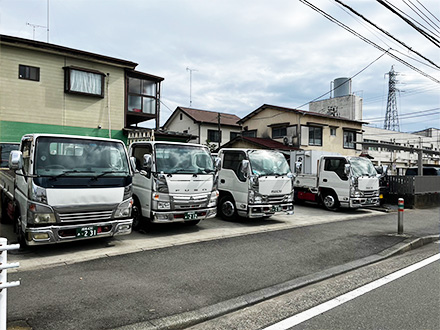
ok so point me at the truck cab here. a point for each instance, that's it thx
(254, 183)
(173, 182)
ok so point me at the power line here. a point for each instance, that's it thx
(386, 32)
(332, 19)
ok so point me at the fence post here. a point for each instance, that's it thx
(401, 206)
(4, 284)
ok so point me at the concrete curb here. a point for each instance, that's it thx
(187, 319)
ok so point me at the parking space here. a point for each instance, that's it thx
(161, 236)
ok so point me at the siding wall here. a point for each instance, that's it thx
(44, 102)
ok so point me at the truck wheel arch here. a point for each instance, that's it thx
(329, 199)
(226, 206)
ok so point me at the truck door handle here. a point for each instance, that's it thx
(324, 180)
(222, 181)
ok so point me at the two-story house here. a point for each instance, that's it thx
(304, 129)
(47, 88)
(208, 126)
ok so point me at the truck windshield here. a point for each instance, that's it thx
(78, 157)
(265, 162)
(361, 166)
(171, 159)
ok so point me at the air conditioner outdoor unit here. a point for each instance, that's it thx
(288, 140)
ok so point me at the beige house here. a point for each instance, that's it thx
(47, 88)
(304, 129)
(207, 126)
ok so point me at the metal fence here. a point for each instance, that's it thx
(413, 184)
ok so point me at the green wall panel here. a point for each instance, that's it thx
(12, 131)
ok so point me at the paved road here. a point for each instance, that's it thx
(227, 265)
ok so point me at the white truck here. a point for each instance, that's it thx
(334, 180)
(173, 182)
(254, 183)
(61, 188)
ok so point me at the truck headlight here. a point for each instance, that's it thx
(213, 198)
(40, 214)
(161, 202)
(124, 209)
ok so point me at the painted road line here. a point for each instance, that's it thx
(324, 307)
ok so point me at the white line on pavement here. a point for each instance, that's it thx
(324, 307)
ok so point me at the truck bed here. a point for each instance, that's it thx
(309, 181)
(7, 180)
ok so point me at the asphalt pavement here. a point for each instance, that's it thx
(179, 285)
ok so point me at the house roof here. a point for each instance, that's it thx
(302, 112)
(210, 117)
(262, 143)
(61, 50)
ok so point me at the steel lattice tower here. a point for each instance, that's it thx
(391, 121)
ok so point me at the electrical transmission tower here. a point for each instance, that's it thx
(391, 121)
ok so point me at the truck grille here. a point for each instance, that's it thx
(189, 202)
(275, 199)
(369, 194)
(94, 216)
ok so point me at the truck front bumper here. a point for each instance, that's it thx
(362, 202)
(266, 210)
(68, 233)
(183, 216)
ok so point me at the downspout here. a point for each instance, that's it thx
(108, 107)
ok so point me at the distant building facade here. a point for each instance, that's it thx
(207, 126)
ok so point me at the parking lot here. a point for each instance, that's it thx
(165, 235)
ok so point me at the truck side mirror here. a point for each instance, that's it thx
(133, 164)
(347, 169)
(245, 167)
(15, 160)
(148, 162)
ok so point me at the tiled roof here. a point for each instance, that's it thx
(261, 142)
(205, 116)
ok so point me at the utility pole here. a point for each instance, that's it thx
(219, 131)
(391, 121)
(190, 84)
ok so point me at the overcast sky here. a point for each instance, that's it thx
(242, 54)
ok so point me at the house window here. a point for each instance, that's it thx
(315, 136)
(83, 81)
(233, 135)
(28, 72)
(141, 96)
(349, 139)
(214, 136)
(279, 132)
(332, 131)
(252, 133)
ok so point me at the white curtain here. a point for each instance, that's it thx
(85, 82)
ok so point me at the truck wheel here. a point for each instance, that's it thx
(137, 215)
(19, 232)
(226, 208)
(330, 201)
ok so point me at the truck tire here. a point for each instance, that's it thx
(138, 220)
(330, 201)
(226, 208)
(19, 232)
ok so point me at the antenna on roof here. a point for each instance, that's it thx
(34, 26)
(190, 84)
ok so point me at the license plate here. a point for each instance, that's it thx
(89, 231)
(276, 208)
(190, 216)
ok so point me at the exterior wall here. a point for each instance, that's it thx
(263, 119)
(44, 104)
(199, 129)
(400, 160)
(349, 106)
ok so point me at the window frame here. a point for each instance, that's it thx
(216, 133)
(27, 75)
(312, 138)
(352, 143)
(67, 81)
(280, 130)
(143, 95)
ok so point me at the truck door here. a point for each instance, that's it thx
(232, 179)
(333, 176)
(21, 177)
(142, 183)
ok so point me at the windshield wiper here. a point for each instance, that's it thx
(68, 172)
(107, 172)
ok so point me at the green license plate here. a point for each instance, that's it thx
(190, 216)
(276, 208)
(88, 231)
